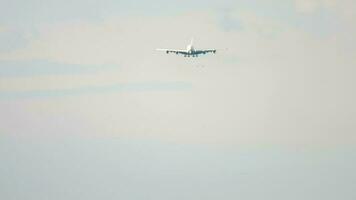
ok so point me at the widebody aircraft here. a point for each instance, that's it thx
(189, 51)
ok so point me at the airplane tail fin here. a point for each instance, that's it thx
(192, 41)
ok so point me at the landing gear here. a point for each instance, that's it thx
(192, 55)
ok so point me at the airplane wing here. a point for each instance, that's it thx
(173, 51)
(205, 51)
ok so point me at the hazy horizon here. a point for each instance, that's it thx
(90, 110)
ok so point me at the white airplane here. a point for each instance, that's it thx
(190, 51)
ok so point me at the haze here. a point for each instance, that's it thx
(90, 110)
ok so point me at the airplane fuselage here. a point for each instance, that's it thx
(191, 51)
(190, 48)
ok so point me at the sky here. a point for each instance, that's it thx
(89, 109)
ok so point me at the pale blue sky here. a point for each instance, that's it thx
(113, 168)
(89, 109)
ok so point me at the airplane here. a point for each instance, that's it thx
(190, 51)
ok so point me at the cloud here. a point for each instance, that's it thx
(340, 7)
(307, 6)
